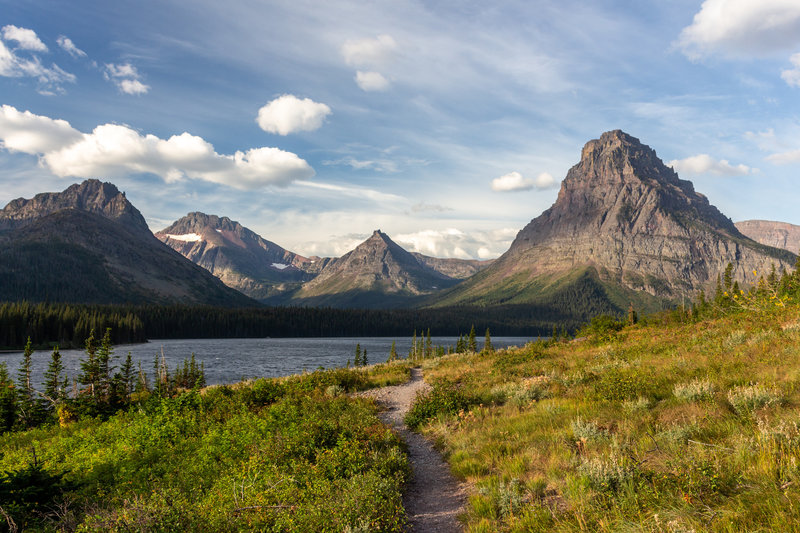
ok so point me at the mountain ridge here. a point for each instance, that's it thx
(643, 233)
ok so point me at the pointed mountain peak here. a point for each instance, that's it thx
(93, 196)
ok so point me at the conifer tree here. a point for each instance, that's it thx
(357, 359)
(472, 343)
(428, 344)
(27, 404)
(412, 354)
(364, 361)
(90, 369)
(487, 343)
(53, 386)
(393, 352)
(104, 368)
(8, 400)
(127, 374)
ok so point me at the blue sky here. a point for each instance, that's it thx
(448, 125)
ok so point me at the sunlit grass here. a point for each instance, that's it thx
(692, 427)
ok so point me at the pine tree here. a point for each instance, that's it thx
(26, 404)
(90, 369)
(8, 400)
(364, 361)
(53, 388)
(487, 343)
(393, 352)
(357, 359)
(412, 354)
(632, 317)
(428, 344)
(104, 368)
(127, 375)
(728, 278)
(472, 343)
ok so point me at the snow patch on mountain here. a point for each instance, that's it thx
(188, 237)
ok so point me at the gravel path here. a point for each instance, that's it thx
(434, 498)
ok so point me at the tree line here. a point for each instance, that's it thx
(68, 325)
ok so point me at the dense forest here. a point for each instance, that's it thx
(68, 325)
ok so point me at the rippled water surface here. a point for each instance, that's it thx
(231, 360)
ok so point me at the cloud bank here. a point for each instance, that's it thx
(112, 150)
(514, 181)
(289, 114)
(705, 164)
(452, 242)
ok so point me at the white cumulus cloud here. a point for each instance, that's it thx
(25, 38)
(705, 164)
(68, 46)
(370, 56)
(792, 75)
(371, 53)
(289, 114)
(742, 27)
(785, 158)
(514, 181)
(112, 150)
(371, 81)
(126, 78)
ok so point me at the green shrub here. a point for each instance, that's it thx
(442, 399)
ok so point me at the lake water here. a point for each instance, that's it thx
(231, 360)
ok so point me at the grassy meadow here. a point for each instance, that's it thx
(668, 427)
(291, 454)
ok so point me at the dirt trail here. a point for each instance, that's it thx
(434, 498)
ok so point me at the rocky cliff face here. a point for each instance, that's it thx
(627, 218)
(91, 196)
(777, 234)
(88, 244)
(377, 273)
(239, 257)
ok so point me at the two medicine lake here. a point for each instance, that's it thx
(231, 360)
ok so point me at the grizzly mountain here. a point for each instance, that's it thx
(624, 228)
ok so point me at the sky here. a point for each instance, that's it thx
(448, 125)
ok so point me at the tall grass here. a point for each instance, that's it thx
(663, 428)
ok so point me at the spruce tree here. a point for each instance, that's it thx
(364, 361)
(473, 345)
(428, 344)
(53, 388)
(26, 405)
(393, 352)
(8, 400)
(104, 368)
(90, 369)
(487, 344)
(127, 375)
(357, 359)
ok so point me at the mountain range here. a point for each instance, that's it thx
(89, 244)
(624, 229)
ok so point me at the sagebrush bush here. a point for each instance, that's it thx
(607, 474)
(695, 390)
(747, 398)
(587, 431)
(441, 399)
